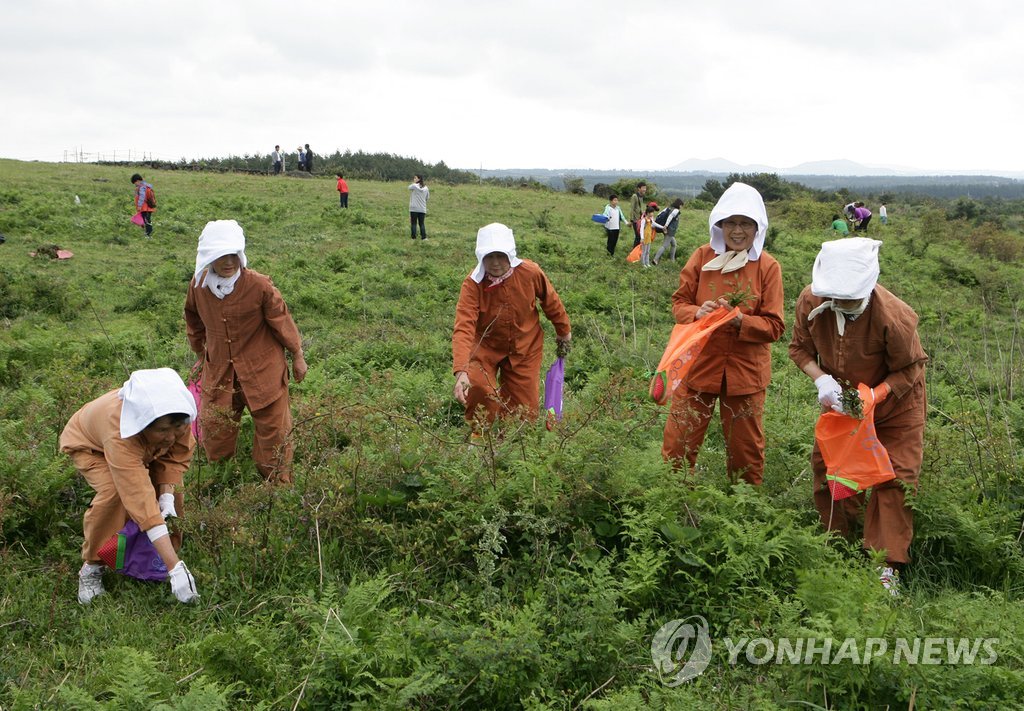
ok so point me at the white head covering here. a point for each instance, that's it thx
(150, 394)
(219, 238)
(846, 268)
(494, 237)
(739, 199)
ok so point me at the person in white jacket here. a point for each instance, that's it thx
(419, 193)
(614, 224)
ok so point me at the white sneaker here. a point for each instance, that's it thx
(890, 579)
(90, 583)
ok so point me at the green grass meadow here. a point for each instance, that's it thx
(409, 569)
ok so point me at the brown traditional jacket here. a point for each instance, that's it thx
(135, 466)
(243, 335)
(503, 320)
(879, 345)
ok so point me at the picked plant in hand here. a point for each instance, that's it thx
(850, 400)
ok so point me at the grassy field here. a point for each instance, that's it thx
(407, 569)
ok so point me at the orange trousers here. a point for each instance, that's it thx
(742, 429)
(106, 514)
(503, 386)
(272, 445)
(888, 522)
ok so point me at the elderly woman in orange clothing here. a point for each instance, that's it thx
(133, 446)
(735, 364)
(498, 342)
(850, 327)
(240, 326)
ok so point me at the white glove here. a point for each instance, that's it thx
(166, 502)
(183, 585)
(829, 392)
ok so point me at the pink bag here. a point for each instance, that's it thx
(137, 219)
(195, 386)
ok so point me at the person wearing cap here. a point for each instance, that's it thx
(132, 446)
(240, 327)
(735, 364)
(849, 327)
(498, 342)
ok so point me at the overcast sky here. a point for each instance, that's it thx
(540, 84)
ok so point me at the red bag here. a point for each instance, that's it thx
(854, 458)
(195, 386)
(634, 256)
(137, 219)
(684, 345)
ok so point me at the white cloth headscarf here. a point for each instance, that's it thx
(151, 394)
(845, 270)
(219, 238)
(739, 199)
(494, 237)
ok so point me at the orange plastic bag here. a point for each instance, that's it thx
(684, 345)
(634, 256)
(854, 458)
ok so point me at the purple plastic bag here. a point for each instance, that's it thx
(129, 552)
(554, 382)
(137, 219)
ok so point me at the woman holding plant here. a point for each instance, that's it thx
(734, 367)
(849, 327)
(498, 342)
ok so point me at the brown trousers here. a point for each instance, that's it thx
(272, 446)
(106, 514)
(742, 429)
(503, 389)
(888, 522)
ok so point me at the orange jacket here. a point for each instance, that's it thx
(244, 334)
(135, 466)
(504, 319)
(742, 358)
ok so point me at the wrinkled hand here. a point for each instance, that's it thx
(461, 386)
(166, 503)
(563, 346)
(829, 393)
(707, 307)
(183, 585)
(299, 368)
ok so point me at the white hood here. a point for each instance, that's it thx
(846, 268)
(219, 238)
(739, 199)
(150, 394)
(494, 237)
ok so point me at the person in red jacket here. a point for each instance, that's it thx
(145, 202)
(342, 190)
(498, 342)
(240, 326)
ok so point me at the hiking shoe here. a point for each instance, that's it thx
(890, 579)
(90, 583)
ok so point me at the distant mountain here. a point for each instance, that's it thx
(718, 165)
(839, 166)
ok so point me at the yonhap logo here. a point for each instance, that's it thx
(683, 648)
